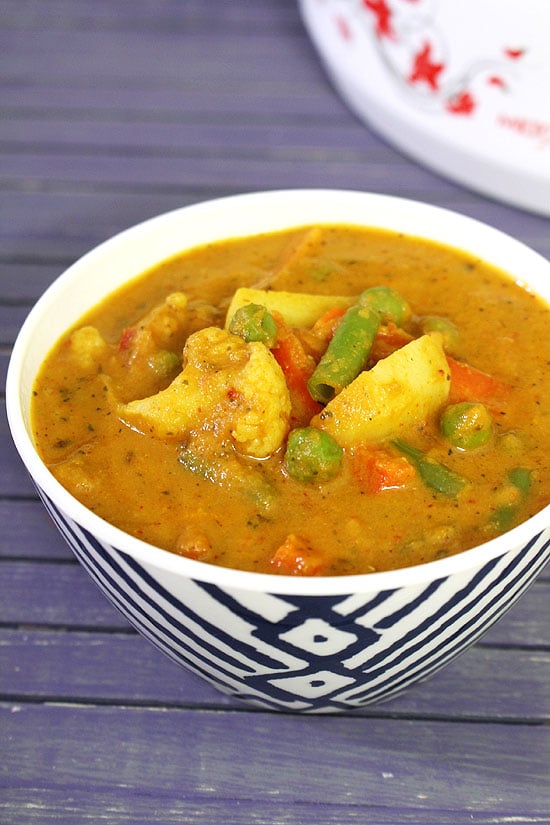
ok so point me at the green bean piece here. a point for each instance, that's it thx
(436, 476)
(446, 328)
(503, 518)
(521, 477)
(253, 322)
(388, 303)
(312, 455)
(346, 353)
(467, 425)
(198, 465)
(229, 472)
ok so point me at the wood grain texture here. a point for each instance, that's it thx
(487, 683)
(451, 765)
(57, 226)
(117, 807)
(28, 532)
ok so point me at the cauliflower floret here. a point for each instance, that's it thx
(88, 348)
(227, 385)
(166, 321)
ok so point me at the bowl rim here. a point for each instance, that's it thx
(154, 557)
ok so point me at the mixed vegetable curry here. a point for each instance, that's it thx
(323, 401)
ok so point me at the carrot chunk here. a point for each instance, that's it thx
(377, 469)
(471, 384)
(389, 338)
(325, 325)
(297, 367)
(296, 557)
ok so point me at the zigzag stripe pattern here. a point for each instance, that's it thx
(314, 654)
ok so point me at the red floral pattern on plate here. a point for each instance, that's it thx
(422, 65)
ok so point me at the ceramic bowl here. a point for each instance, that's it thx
(289, 643)
(461, 87)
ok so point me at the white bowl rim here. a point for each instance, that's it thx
(154, 557)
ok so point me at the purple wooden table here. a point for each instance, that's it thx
(113, 112)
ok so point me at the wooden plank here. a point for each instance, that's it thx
(58, 595)
(42, 665)
(287, 74)
(11, 318)
(174, 135)
(223, 97)
(62, 595)
(527, 623)
(28, 532)
(14, 479)
(194, 170)
(4, 361)
(113, 57)
(389, 763)
(195, 14)
(231, 101)
(55, 226)
(40, 805)
(22, 283)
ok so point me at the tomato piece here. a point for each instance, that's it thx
(127, 338)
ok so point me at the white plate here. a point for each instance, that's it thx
(455, 85)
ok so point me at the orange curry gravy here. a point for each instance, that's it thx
(232, 509)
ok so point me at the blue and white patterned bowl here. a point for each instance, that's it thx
(295, 644)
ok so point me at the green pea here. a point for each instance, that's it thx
(387, 302)
(253, 322)
(434, 323)
(312, 455)
(164, 362)
(467, 425)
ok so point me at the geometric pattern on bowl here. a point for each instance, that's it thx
(313, 654)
